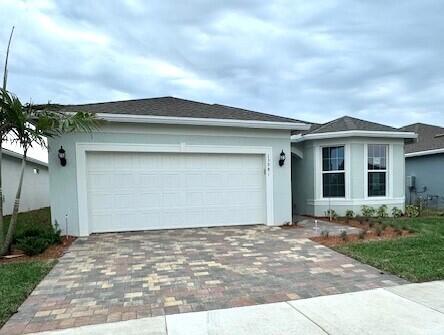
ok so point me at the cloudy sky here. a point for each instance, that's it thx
(312, 60)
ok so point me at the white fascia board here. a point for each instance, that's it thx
(425, 152)
(20, 156)
(128, 118)
(352, 133)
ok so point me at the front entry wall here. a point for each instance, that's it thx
(256, 155)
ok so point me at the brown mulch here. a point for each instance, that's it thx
(53, 252)
(388, 233)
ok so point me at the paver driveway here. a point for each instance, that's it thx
(113, 277)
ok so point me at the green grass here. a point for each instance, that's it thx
(17, 280)
(39, 217)
(417, 258)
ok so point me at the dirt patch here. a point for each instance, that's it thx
(53, 252)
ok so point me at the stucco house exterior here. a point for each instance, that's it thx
(167, 163)
(347, 163)
(424, 161)
(35, 190)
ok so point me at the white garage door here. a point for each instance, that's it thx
(140, 191)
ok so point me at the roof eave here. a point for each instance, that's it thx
(128, 118)
(20, 156)
(353, 133)
(425, 152)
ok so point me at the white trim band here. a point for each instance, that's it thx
(352, 133)
(83, 148)
(425, 152)
(202, 121)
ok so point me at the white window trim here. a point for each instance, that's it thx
(319, 191)
(388, 173)
(83, 148)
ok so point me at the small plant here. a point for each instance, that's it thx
(361, 234)
(367, 211)
(384, 226)
(382, 211)
(397, 231)
(378, 230)
(325, 233)
(32, 245)
(344, 235)
(412, 211)
(396, 212)
(349, 214)
(331, 214)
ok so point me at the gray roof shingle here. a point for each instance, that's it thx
(428, 137)
(347, 123)
(175, 107)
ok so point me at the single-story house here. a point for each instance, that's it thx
(35, 190)
(424, 164)
(166, 163)
(345, 164)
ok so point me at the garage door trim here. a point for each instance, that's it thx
(83, 148)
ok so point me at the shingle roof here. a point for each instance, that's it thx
(347, 123)
(427, 137)
(175, 107)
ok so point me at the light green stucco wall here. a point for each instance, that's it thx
(356, 191)
(63, 180)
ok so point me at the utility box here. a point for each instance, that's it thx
(411, 180)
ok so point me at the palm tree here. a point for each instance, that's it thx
(28, 126)
(4, 129)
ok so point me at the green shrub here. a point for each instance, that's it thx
(412, 211)
(382, 211)
(367, 211)
(31, 245)
(49, 233)
(396, 212)
(331, 213)
(349, 214)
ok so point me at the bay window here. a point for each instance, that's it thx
(377, 170)
(333, 174)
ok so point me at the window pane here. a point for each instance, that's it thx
(333, 158)
(376, 184)
(377, 157)
(333, 185)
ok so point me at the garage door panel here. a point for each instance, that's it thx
(138, 191)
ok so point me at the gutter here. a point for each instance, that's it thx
(353, 133)
(425, 153)
(127, 118)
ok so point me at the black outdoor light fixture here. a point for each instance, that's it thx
(282, 158)
(62, 156)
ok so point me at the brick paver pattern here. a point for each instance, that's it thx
(113, 277)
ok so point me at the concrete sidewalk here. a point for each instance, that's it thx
(405, 309)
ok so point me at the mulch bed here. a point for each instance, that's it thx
(53, 252)
(370, 234)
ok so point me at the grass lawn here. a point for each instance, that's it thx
(39, 217)
(17, 280)
(418, 258)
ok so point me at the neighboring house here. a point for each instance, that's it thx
(35, 190)
(425, 163)
(347, 163)
(167, 163)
